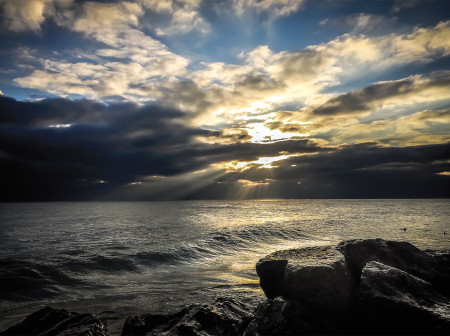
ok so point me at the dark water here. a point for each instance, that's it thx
(117, 259)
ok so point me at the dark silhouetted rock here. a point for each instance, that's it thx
(223, 317)
(441, 261)
(270, 318)
(140, 325)
(288, 317)
(321, 291)
(396, 302)
(271, 274)
(314, 276)
(48, 321)
(401, 255)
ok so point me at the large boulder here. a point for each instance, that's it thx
(58, 322)
(396, 302)
(314, 276)
(401, 255)
(223, 317)
(360, 286)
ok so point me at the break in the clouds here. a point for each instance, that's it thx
(180, 99)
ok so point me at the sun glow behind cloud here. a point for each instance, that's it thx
(262, 163)
(60, 126)
(261, 134)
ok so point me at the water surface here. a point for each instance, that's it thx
(120, 258)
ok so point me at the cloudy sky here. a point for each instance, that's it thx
(224, 99)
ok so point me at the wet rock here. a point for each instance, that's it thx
(401, 255)
(270, 318)
(395, 302)
(136, 325)
(441, 261)
(271, 270)
(140, 325)
(287, 317)
(321, 290)
(314, 276)
(49, 321)
(223, 317)
(282, 317)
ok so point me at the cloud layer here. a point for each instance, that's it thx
(61, 149)
(184, 99)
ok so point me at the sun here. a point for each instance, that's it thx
(260, 133)
(265, 162)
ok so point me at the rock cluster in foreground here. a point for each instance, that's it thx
(368, 286)
(49, 321)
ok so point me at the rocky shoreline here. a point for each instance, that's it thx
(371, 286)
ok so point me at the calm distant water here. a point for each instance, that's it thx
(117, 259)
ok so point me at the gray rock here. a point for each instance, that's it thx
(271, 270)
(286, 317)
(402, 303)
(270, 318)
(314, 276)
(49, 321)
(402, 255)
(441, 261)
(223, 317)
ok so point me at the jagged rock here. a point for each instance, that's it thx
(282, 317)
(223, 317)
(270, 318)
(441, 261)
(401, 255)
(396, 302)
(314, 276)
(49, 321)
(271, 271)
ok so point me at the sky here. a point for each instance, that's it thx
(225, 99)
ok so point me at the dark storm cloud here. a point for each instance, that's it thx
(363, 100)
(357, 171)
(106, 146)
(64, 111)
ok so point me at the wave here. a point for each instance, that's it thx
(219, 243)
(173, 255)
(34, 279)
(22, 280)
(101, 263)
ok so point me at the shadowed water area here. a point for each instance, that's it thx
(130, 258)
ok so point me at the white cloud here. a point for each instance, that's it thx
(389, 111)
(424, 127)
(183, 21)
(98, 17)
(21, 15)
(184, 16)
(105, 22)
(274, 7)
(142, 58)
(143, 68)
